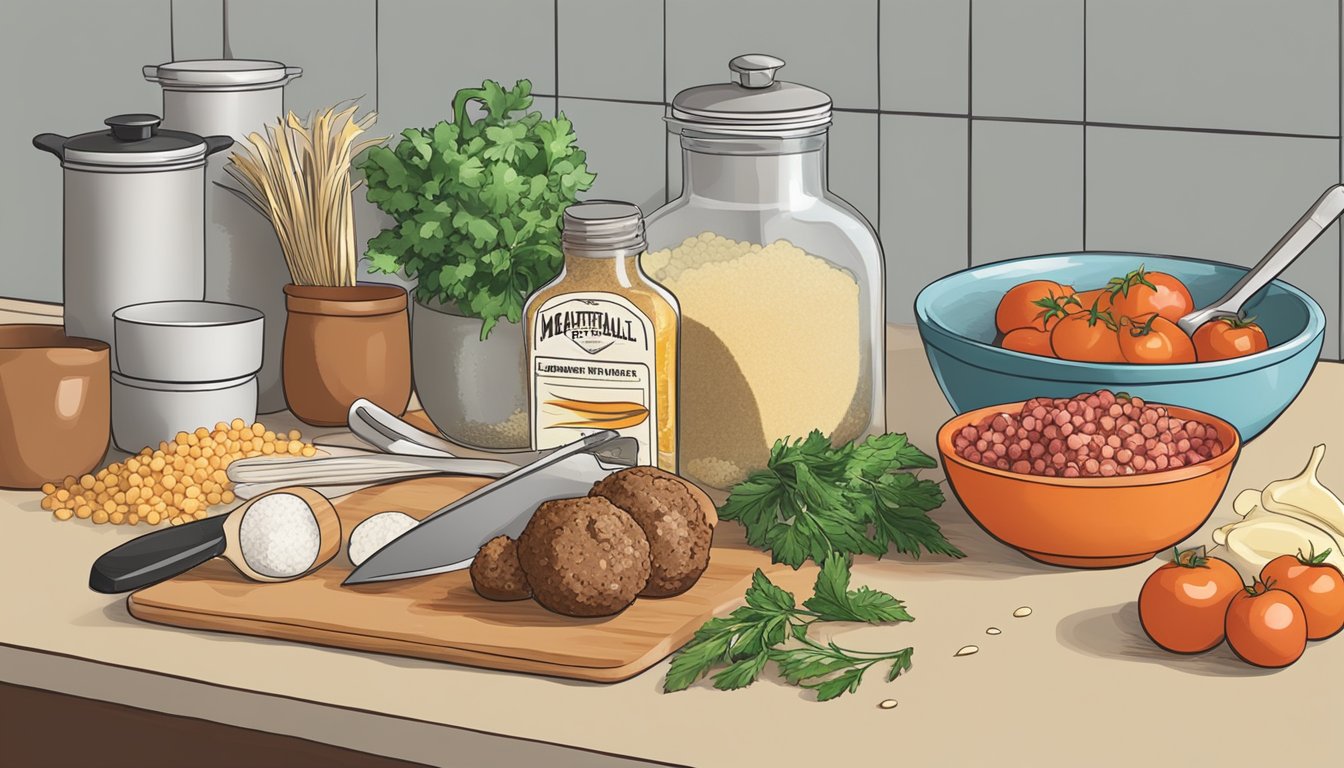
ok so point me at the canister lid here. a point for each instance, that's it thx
(133, 140)
(603, 227)
(221, 74)
(753, 103)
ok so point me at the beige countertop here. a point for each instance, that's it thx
(1075, 683)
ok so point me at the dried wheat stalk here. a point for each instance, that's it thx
(298, 177)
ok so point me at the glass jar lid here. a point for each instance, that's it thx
(753, 103)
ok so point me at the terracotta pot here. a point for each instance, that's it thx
(55, 405)
(342, 344)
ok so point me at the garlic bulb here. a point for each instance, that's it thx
(1289, 516)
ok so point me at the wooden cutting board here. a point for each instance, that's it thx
(441, 617)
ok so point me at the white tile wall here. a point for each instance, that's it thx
(1027, 58)
(1026, 189)
(959, 130)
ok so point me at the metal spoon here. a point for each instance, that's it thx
(1315, 221)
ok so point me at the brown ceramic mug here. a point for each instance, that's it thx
(55, 410)
(342, 344)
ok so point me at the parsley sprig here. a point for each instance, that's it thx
(477, 202)
(812, 500)
(770, 627)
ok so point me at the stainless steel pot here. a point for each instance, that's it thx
(134, 226)
(243, 261)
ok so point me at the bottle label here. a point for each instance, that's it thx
(591, 356)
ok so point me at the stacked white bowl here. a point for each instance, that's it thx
(181, 365)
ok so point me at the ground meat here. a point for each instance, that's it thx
(675, 516)
(1090, 435)
(496, 573)
(584, 557)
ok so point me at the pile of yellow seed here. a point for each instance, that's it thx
(175, 483)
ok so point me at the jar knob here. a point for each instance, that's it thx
(134, 127)
(755, 70)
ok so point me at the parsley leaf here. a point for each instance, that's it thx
(770, 627)
(813, 499)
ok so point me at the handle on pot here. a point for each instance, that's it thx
(151, 72)
(292, 73)
(215, 144)
(156, 556)
(50, 142)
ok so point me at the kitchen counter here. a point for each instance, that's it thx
(1074, 683)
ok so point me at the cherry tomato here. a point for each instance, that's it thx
(1028, 340)
(1087, 336)
(1019, 307)
(1182, 606)
(1317, 585)
(1142, 293)
(1229, 337)
(1154, 340)
(1266, 626)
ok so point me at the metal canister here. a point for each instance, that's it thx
(243, 261)
(134, 218)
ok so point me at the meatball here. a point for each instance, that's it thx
(496, 573)
(584, 557)
(677, 518)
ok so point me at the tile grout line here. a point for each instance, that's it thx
(377, 81)
(667, 161)
(970, 124)
(172, 43)
(1085, 124)
(878, 40)
(555, 51)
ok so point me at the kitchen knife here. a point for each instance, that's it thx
(448, 539)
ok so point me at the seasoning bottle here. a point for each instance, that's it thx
(603, 339)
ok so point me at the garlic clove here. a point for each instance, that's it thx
(1246, 502)
(1249, 545)
(1304, 498)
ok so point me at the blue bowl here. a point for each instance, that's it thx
(956, 321)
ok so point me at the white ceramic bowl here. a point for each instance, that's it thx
(144, 413)
(187, 341)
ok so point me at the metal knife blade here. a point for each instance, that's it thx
(448, 539)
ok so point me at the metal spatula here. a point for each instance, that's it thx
(1315, 221)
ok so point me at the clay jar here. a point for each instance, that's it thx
(55, 410)
(342, 344)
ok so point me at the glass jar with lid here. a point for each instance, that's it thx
(779, 281)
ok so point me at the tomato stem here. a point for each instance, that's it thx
(1122, 285)
(1195, 557)
(1145, 330)
(1312, 558)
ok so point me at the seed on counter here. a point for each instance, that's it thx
(887, 704)
(993, 631)
(174, 483)
(1022, 612)
(967, 650)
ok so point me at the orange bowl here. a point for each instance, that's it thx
(1089, 522)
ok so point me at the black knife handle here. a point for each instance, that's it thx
(156, 556)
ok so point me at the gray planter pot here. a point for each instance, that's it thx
(474, 391)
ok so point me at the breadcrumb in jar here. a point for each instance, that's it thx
(770, 348)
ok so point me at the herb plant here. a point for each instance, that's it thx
(478, 202)
(812, 500)
(771, 627)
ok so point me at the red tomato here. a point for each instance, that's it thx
(1317, 585)
(1154, 340)
(1022, 307)
(1182, 606)
(1085, 300)
(1266, 626)
(1087, 336)
(1141, 293)
(1229, 337)
(1028, 340)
